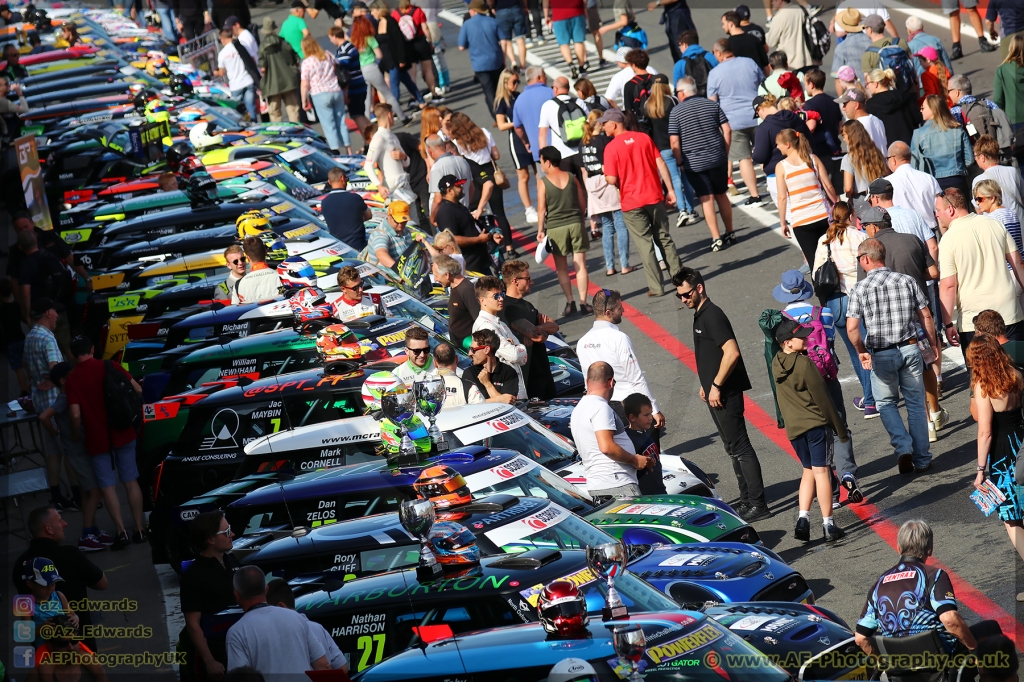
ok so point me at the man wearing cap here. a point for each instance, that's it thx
(294, 27)
(389, 240)
(911, 188)
(452, 215)
(905, 220)
(743, 12)
(733, 84)
(852, 102)
(891, 306)
(480, 35)
(905, 253)
(874, 29)
(632, 163)
(850, 52)
(614, 91)
(447, 161)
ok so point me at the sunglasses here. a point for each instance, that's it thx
(685, 294)
(237, 261)
(357, 287)
(417, 351)
(226, 532)
(498, 295)
(473, 349)
(978, 200)
(514, 82)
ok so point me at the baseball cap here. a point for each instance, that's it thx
(874, 22)
(880, 186)
(40, 571)
(231, 21)
(399, 210)
(846, 73)
(611, 116)
(874, 216)
(620, 54)
(928, 53)
(743, 11)
(791, 329)
(449, 181)
(298, 3)
(41, 305)
(661, 78)
(758, 101)
(851, 95)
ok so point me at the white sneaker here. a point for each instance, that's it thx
(682, 219)
(939, 419)
(932, 436)
(531, 215)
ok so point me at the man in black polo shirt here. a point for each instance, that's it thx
(463, 305)
(344, 211)
(497, 381)
(904, 253)
(78, 573)
(723, 378)
(452, 215)
(530, 327)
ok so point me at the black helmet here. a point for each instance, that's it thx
(180, 84)
(202, 189)
(176, 153)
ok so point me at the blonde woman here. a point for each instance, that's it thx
(863, 164)
(602, 198)
(941, 147)
(659, 106)
(897, 109)
(803, 187)
(320, 90)
(988, 199)
(504, 101)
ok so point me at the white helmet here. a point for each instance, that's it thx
(200, 138)
(377, 385)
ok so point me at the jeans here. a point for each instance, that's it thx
(686, 200)
(838, 307)
(167, 25)
(893, 371)
(402, 75)
(614, 232)
(732, 429)
(248, 96)
(843, 452)
(330, 109)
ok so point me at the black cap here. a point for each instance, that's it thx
(758, 101)
(791, 329)
(298, 3)
(661, 78)
(40, 306)
(743, 11)
(447, 182)
(880, 186)
(231, 21)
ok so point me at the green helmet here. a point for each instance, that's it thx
(391, 436)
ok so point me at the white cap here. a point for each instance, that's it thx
(571, 669)
(620, 56)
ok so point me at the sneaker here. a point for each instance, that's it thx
(584, 67)
(602, 63)
(858, 403)
(104, 538)
(717, 245)
(756, 512)
(921, 470)
(836, 504)
(682, 219)
(939, 419)
(870, 412)
(89, 543)
(531, 215)
(121, 542)
(853, 493)
(730, 239)
(832, 532)
(932, 436)
(802, 532)
(64, 505)
(538, 41)
(805, 269)
(753, 201)
(695, 217)
(740, 507)
(574, 71)
(956, 53)
(905, 463)
(139, 537)
(986, 46)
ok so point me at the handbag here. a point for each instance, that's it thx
(500, 179)
(826, 279)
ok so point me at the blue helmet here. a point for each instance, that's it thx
(453, 544)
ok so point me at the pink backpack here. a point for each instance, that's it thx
(408, 26)
(818, 348)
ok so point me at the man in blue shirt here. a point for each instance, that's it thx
(690, 48)
(526, 112)
(480, 35)
(345, 212)
(733, 84)
(1011, 15)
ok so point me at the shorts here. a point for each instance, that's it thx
(15, 352)
(742, 143)
(593, 19)
(950, 6)
(814, 448)
(124, 460)
(709, 182)
(571, 30)
(356, 104)
(520, 157)
(419, 50)
(566, 240)
(511, 23)
(333, 9)
(81, 463)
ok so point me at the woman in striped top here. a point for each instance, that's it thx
(803, 187)
(320, 90)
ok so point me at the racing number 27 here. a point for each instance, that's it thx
(366, 644)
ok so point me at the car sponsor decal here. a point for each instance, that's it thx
(514, 468)
(492, 427)
(391, 339)
(579, 579)
(283, 207)
(677, 648)
(301, 231)
(394, 296)
(298, 153)
(671, 510)
(117, 304)
(549, 517)
(161, 410)
(303, 385)
(902, 575)
(688, 560)
(271, 172)
(223, 429)
(751, 622)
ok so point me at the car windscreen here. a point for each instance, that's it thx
(315, 409)
(311, 164)
(288, 183)
(550, 528)
(411, 309)
(524, 476)
(291, 208)
(532, 439)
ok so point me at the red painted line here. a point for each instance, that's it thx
(871, 515)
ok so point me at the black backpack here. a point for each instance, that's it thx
(637, 107)
(124, 405)
(816, 37)
(698, 69)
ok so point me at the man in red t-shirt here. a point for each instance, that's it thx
(110, 460)
(568, 21)
(632, 163)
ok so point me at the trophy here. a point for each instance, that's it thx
(609, 560)
(400, 407)
(417, 517)
(430, 395)
(629, 642)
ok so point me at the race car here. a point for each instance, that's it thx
(667, 519)
(306, 162)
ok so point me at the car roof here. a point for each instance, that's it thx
(175, 216)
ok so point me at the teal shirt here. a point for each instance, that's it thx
(291, 31)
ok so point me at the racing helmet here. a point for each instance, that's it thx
(201, 189)
(156, 111)
(176, 153)
(156, 66)
(312, 314)
(307, 298)
(295, 271)
(189, 167)
(277, 250)
(251, 223)
(337, 342)
(453, 544)
(443, 486)
(180, 85)
(376, 385)
(572, 670)
(562, 609)
(200, 136)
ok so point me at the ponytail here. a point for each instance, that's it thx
(795, 139)
(840, 221)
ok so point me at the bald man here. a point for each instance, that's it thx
(911, 188)
(550, 132)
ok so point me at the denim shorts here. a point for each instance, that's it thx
(571, 30)
(511, 23)
(950, 6)
(124, 460)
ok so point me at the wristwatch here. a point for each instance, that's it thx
(716, 386)
(949, 325)
(981, 468)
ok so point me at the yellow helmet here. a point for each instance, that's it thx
(251, 223)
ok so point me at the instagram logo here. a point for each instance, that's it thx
(24, 605)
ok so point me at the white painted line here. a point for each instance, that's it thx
(170, 587)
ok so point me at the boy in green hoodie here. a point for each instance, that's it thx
(810, 419)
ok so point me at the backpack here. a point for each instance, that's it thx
(342, 73)
(638, 107)
(698, 69)
(571, 121)
(826, 279)
(818, 348)
(896, 58)
(124, 405)
(596, 103)
(988, 121)
(632, 36)
(408, 26)
(816, 37)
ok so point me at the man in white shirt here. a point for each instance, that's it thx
(911, 188)
(852, 102)
(240, 82)
(385, 153)
(279, 594)
(551, 124)
(605, 342)
(419, 365)
(614, 92)
(609, 459)
(275, 641)
(491, 296)
(1009, 179)
(262, 283)
(353, 302)
(238, 31)
(459, 391)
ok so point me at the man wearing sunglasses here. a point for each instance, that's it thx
(353, 302)
(495, 380)
(236, 270)
(419, 365)
(491, 296)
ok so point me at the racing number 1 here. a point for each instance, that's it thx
(365, 644)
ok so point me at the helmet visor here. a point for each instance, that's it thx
(455, 541)
(564, 609)
(439, 487)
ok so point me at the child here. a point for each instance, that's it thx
(77, 457)
(639, 417)
(40, 575)
(810, 418)
(444, 243)
(934, 75)
(12, 334)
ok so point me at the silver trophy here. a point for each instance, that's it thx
(609, 560)
(417, 517)
(430, 395)
(400, 407)
(630, 642)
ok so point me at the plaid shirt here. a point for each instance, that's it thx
(40, 350)
(888, 303)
